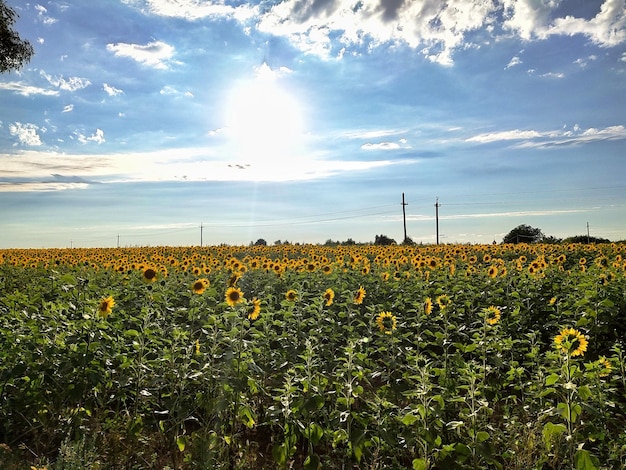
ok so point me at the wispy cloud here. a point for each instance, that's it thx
(69, 84)
(67, 109)
(156, 54)
(24, 89)
(194, 10)
(170, 165)
(513, 62)
(97, 137)
(564, 136)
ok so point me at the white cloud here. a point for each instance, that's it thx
(513, 62)
(190, 164)
(169, 90)
(97, 137)
(381, 146)
(197, 9)
(553, 75)
(42, 14)
(155, 54)
(21, 88)
(545, 139)
(607, 28)
(26, 134)
(111, 90)
(71, 84)
(69, 108)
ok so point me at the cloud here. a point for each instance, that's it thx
(553, 75)
(169, 90)
(71, 84)
(26, 134)
(196, 9)
(155, 54)
(513, 62)
(583, 62)
(97, 137)
(69, 108)
(545, 139)
(111, 90)
(43, 16)
(606, 29)
(190, 164)
(21, 88)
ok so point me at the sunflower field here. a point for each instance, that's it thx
(303, 356)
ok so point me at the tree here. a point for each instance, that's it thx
(586, 239)
(260, 242)
(14, 51)
(384, 240)
(524, 234)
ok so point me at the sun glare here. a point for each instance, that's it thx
(264, 123)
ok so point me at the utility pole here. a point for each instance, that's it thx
(201, 228)
(404, 216)
(437, 218)
(118, 240)
(587, 232)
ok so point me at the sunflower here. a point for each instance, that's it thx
(360, 295)
(443, 301)
(386, 322)
(571, 342)
(291, 295)
(197, 347)
(199, 286)
(329, 296)
(233, 296)
(492, 272)
(256, 309)
(428, 306)
(492, 314)
(605, 366)
(149, 274)
(106, 307)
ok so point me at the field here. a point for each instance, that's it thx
(301, 356)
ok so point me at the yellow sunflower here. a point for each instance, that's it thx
(291, 295)
(199, 286)
(443, 301)
(256, 309)
(386, 322)
(605, 366)
(428, 306)
(360, 295)
(571, 342)
(329, 296)
(150, 274)
(492, 314)
(233, 296)
(106, 307)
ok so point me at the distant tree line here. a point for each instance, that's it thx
(520, 234)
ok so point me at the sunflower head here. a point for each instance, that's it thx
(492, 315)
(571, 342)
(256, 309)
(360, 295)
(233, 296)
(428, 306)
(199, 286)
(105, 307)
(443, 301)
(291, 295)
(150, 274)
(329, 296)
(386, 322)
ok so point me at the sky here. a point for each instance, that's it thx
(188, 122)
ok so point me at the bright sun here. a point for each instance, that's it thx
(264, 123)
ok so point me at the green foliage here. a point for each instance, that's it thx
(14, 51)
(175, 379)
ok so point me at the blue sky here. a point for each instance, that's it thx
(139, 121)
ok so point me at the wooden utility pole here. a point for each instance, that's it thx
(404, 217)
(201, 227)
(437, 218)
